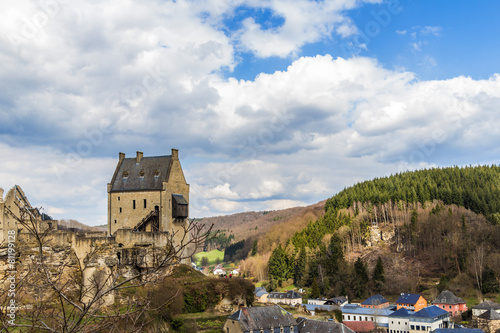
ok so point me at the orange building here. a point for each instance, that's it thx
(415, 302)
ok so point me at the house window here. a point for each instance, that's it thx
(366, 318)
(145, 203)
(133, 204)
(417, 328)
(348, 317)
(450, 306)
(412, 327)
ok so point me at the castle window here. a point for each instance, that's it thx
(133, 204)
(118, 198)
(120, 209)
(145, 203)
(115, 221)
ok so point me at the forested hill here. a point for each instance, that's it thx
(475, 188)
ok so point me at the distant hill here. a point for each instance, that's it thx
(269, 226)
(78, 226)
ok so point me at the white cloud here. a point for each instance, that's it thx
(99, 78)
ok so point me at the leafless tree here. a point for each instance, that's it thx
(71, 297)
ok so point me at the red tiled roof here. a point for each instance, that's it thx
(360, 326)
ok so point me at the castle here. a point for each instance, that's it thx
(148, 206)
(148, 194)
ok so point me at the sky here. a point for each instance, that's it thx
(271, 103)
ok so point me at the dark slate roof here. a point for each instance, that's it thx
(447, 297)
(375, 300)
(401, 313)
(486, 305)
(179, 198)
(290, 294)
(256, 318)
(337, 300)
(408, 298)
(360, 326)
(430, 312)
(458, 330)
(318, 326)
(155, 171)
(490, 314)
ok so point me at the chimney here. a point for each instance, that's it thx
(121, 157)
(175, 154)
(139, 157)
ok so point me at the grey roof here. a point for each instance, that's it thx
(256, 318)
(260, 293)
(318, 326)
(356, 309)
(321, 307)
(375, 300)
(490, 314)
(486, 305)
(128, 174)
(337, 300)
(458, 330)
(447, 297)
(290, 294)
(179, 198)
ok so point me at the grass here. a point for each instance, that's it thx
(212, 257)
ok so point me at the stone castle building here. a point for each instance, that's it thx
(148, 194)
(148, 206)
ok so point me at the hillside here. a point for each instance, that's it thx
(267, 226)
(431, 229)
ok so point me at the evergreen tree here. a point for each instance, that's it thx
(490, 282)
(378, 272)
(300, 267)
(254, 248)
(279, 265)
(315, 292)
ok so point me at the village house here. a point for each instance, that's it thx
(313, 308)
(399, 321)
(451, 303)
(483, 307)
(316, 301)
(458, 330)
(261, 294)
(355, 312)
(429, 319)
(339, 300)
(426, 320)
(290, 298)
(375, 302)
(414, 302)
(265, 319)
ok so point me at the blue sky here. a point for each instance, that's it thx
(272, 104)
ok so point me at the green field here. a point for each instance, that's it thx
(212, 257)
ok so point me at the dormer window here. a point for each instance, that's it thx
(157, 173)
(141, 174)
(125, 175)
